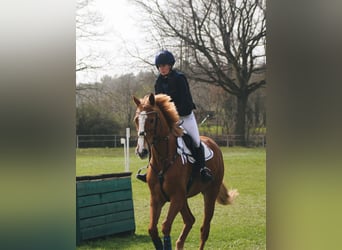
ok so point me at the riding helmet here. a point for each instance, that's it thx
(164, 57)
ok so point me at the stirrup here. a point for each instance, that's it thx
(206, 174)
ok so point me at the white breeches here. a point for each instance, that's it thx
(190, 125)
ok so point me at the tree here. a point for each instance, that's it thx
(88, 34)
(112, 98)
(91, 120)
(118, 93)
(221, 42)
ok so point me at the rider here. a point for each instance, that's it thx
(175, 84)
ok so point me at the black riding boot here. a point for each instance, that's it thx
(200, 164)
(141, 177)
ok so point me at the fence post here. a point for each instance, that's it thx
(127, 145)
(123, 141)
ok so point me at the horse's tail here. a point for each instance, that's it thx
(224, 197)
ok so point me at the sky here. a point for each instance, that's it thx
(123, 31)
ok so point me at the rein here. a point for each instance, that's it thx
(161, 173)
(166, 163)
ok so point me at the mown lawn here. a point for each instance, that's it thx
(238, 226)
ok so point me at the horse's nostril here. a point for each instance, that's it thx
(143, 153)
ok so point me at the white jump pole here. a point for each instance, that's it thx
(127, 150)
(123, 141)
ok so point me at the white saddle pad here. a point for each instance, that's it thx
(185, 152)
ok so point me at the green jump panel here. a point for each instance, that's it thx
(106, 219)
(102, 186)
(104, 206)
(108, 229)
(90, 200)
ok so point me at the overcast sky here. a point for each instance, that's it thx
(123, 29)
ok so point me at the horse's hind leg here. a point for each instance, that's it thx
(209, 206)
(155, 210)
(188, 220)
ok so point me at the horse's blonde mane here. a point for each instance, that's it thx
(169, 111)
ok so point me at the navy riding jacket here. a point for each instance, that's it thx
(176, 86)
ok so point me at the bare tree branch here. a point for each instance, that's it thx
(87, 31)
(225, 40)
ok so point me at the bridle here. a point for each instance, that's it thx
(155, 139)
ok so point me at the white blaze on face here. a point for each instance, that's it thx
(141, 131)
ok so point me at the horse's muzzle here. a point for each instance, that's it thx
(143, 153)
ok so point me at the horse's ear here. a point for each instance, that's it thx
(151, 99)
(136, 100)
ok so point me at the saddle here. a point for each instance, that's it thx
(185, 148)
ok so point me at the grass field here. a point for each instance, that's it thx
(238, 226)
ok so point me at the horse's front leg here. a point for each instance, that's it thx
(188, 220)
(155, 210)
(176, 205)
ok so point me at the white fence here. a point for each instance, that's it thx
(89, 141)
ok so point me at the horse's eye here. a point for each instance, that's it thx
(152, 120)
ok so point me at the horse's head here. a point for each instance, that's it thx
(146, 119)
(156, 117)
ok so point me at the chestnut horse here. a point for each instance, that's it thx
(168, 177)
